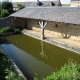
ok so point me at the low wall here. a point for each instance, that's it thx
(5, 22)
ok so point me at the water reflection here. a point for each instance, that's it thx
(47, 53)
(42, 53)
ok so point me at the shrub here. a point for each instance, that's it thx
(6, 8)
(12, 75)
(6, 5)
(70, 71)
(17, 31)
(6, 29)
(9, 29)
(4, 13)
(6, 70)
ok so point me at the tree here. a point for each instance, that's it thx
(8, 6)
(20, 6)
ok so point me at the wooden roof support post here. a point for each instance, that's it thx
(42, 25)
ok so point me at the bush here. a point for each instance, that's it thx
(6, 70)
(12, 75)
(6, 9)
(70, 71)
(6, 5)
(17, 31)
(9, 29)
(4, 13)
(6, 29)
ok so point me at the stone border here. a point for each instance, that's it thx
(8, 33)
(16, 69)
(56, 43)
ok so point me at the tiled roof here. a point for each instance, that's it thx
(57, 14)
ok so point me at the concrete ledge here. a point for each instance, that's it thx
(16, 69)
(8, 33)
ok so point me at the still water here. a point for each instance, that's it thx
(33, 56)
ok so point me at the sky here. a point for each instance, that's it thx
(62, 1)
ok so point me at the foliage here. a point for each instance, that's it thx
(6, 8)
(9, 29)
(70, 71)
(0, 6)
(6, 29)
(20, 6)
(4, 63)
(17, 31)
(6, 5)
(6, 70)
(4, 13)
(12, 75)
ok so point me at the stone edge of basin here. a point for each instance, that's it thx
(16, 69)
(56, 43)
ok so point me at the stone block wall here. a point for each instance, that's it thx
(5, 22)
(33, 25)
(18, 22)
(63, 30)
(75, 4)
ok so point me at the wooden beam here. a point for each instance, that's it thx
(42, 25)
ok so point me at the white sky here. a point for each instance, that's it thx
(62, 1)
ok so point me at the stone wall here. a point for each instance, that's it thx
(61, 30)
(33, 25)
(75, 4)
(5, 22)
(18, 22)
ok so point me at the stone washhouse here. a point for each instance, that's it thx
(61, 22)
